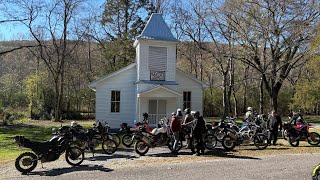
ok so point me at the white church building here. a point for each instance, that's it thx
(152, 84)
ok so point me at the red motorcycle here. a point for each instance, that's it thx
(296, 133)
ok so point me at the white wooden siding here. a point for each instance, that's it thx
(142, 50)
(187, 84)
(124, 82)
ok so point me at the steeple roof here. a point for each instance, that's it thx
(157, 29)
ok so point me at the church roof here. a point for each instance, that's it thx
(157, 29)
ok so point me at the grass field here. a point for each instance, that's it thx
(33, 129)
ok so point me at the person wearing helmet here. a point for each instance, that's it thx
(198, 129)
(179, 114)
(187, 123)
(248, 117)
(175, 127)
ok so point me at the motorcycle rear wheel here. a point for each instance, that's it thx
(127, 140)
(141, 148)
(28, 162)
(210, 141)
(261, 141)
(228, 143)
(314, 138)
(74, 156)
(109, 146)
(292, 141)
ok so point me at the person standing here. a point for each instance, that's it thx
(198, 129)
(273, 124)
(187, 122)
(175, 126)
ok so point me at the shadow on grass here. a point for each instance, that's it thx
(59, 171)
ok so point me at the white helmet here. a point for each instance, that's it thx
(249, 109)
(74, 124)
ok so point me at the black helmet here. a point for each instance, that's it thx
(197, 114)
(145, 115)
(187, 111)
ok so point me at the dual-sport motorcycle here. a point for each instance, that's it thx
(160, 136)
(220, 129)
(127, 138)
(48, 151)
(296, 133)
(250, 132)
(98, 135)
(208, 138)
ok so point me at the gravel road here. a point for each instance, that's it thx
(160, 164)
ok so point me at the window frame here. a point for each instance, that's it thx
(187, 99)
(114, 101)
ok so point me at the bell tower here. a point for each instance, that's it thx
(156, 52)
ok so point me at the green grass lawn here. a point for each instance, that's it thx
(33, 129)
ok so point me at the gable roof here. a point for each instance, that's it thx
(205, 85)
(157, 29)
(93, 84)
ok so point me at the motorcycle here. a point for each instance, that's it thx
(316, 173)
(95, 136)
(127, 139)
(247, 134)
(209, 139)
(113, 136)
(160, 136)
(220, 129)
(300, 132)
(48, 151)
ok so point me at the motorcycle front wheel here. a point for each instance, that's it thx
(109, 146)
(228, 143)
(261, 141)
(314, 138)
(26, 162)
(210, 141)
(74, 156)
(292, 141)
(171, 143)
(127, 140)
(116, 138)
(141, 148)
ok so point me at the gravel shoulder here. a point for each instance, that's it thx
(242, 163)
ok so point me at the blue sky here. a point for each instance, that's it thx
(17, 31)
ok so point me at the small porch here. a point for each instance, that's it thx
(158, 102)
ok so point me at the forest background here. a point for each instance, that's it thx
(258, 53)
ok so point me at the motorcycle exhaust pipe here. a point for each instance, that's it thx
(232, 135)
(146, 140)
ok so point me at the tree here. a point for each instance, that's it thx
(124, 22)
(50, 25)
(276, 36)
(200, 22)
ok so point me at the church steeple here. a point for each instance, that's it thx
(156, 51)
(157, 29)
